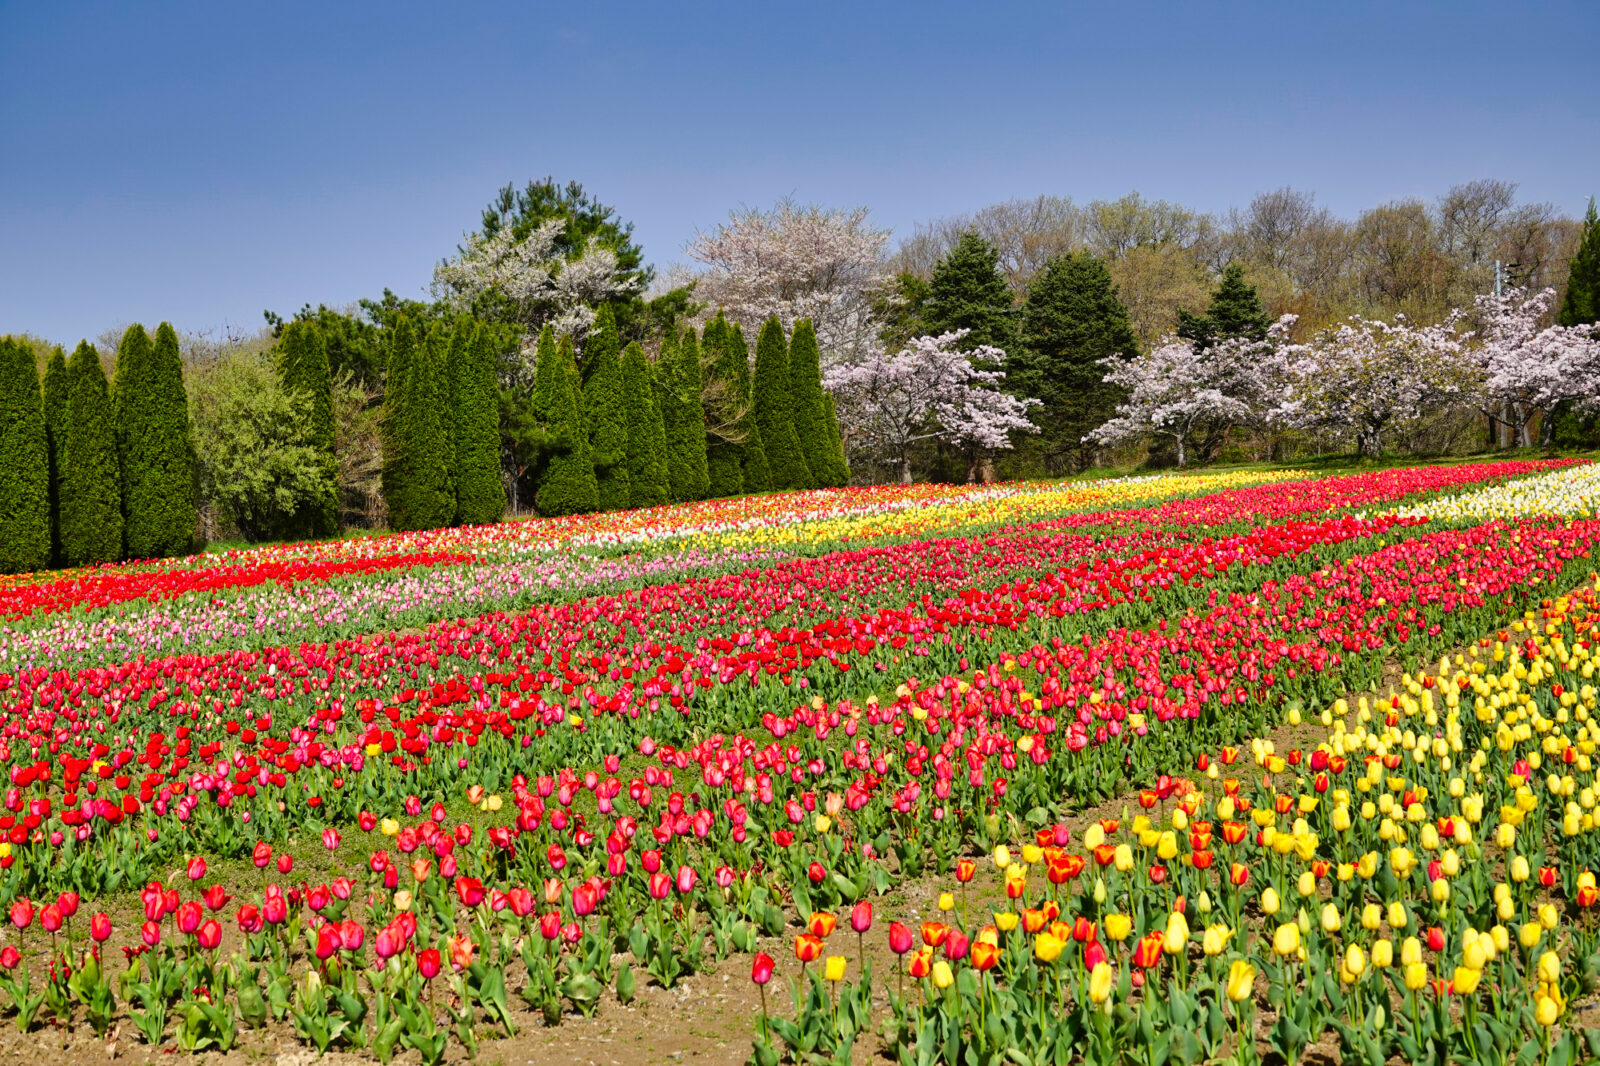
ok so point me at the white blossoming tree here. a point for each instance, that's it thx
(796, 262)
(1529, 369)
(928, 391)
(1175, 391)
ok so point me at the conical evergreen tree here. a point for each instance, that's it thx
(967, 291)
(396, 408)
(678, 385)
(430, 503)
(154, 445)
(24, 464)
(567, 484)
(57, 387)
(603, 341)
(1071, 320)
(480, 495)
(753, 466)
(604, 415)
(647, 437)
(1235, 311)
(810, 408)
(775, 404)
(91, 503)
(303, 367)
(841, 465)
(1580, 307)
(724, 476)
(451, 386)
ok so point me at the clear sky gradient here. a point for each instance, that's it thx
(198, 162)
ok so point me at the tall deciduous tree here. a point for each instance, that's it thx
(1532, 370)
(24, 463)
(678, 385)
(775, 410)
(303, 368)
(567, 482)
(968, 292)
(91, 497)
(480, 496)
(823, 458)
(154, 444)
(605, 414)
(1072, 321)
(57, 388)
(647, 437)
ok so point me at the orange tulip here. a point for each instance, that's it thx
(984, 955)
(807, 947)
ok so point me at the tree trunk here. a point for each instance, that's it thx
(1181, 456)
(905, 471)
(1370, 443)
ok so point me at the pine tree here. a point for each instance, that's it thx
(91, 500)
(647, 436)
(303, 368)
(480, 495)
(396, 407)
(604, 414)
(967, 291)
(57, 387)
(1071, 320)
(753, 466)
(24, 464)
(567, 483)
(720, 401)
(1235, 311)
(810, 408)
(775, 407)
(678, 387)
(154, 445)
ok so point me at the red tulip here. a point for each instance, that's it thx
(861, 916)
(761, 968)
(900, 940)
(151, 933)
(428, 963)
(100, 928)
(68, 902)
(330, 838)
(261, 855)
(10, 957)
(197, 868)
(22, 913)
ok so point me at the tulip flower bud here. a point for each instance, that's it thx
(1383, 954)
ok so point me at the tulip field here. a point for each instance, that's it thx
(1235, 767)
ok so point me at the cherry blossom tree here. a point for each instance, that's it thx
(1366, 377)
(1176, 391)
(530, 282)
(1529, 369)
(928, 391)
(796, 262)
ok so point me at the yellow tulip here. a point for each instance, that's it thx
(942, 977)
(1286, 939)
(1530, 933)
(1006, 920)
(1241, 981)
(1215, 940)
(1269, 901)
(1549, 968)
(1100, 982)
(1466, 980)
(1355, 960)
(1383, 954)
(833, 969)
(1002, 856)
(1546, 1011)
(1410, 951)
(1416, 975)
(1177, 938)
(1118, 927)
(1047, 947)
(1332, 920)
(947, 901)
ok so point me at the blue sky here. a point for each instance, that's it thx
(198, 162)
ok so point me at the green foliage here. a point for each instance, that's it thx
(91, 498)
(900, 308)
(822, 456)
(480, 495)
(416, 470)
(647, 436)
(304, 369)
(776, 407)
(838, 441)
(753, 467)
(1071, 320)
(679, 389)
(353, 345)
(154, 445)
(260, 463)
(967, 291)
(604, 414)
(567, 483)
(57, 387)
(24, 463)
(1581, 305)
(720, 411)
(1235, 311)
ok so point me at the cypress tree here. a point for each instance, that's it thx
(605, 416)
(567, 483)
(303, 368)
(810, 408)
(647, 436)
(967, 291)
(396, 407)
(451, 385)
(91, 503)
(1235, 311)
(480, 495)
(1581, 305)
(840, 465)
(678, 384)
(57, 387)
(775, 407)
(24, 464)
(154, 445)
(1071, 319)
(723, 474)
(430, 504)
(603, 340)
(753, 467)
